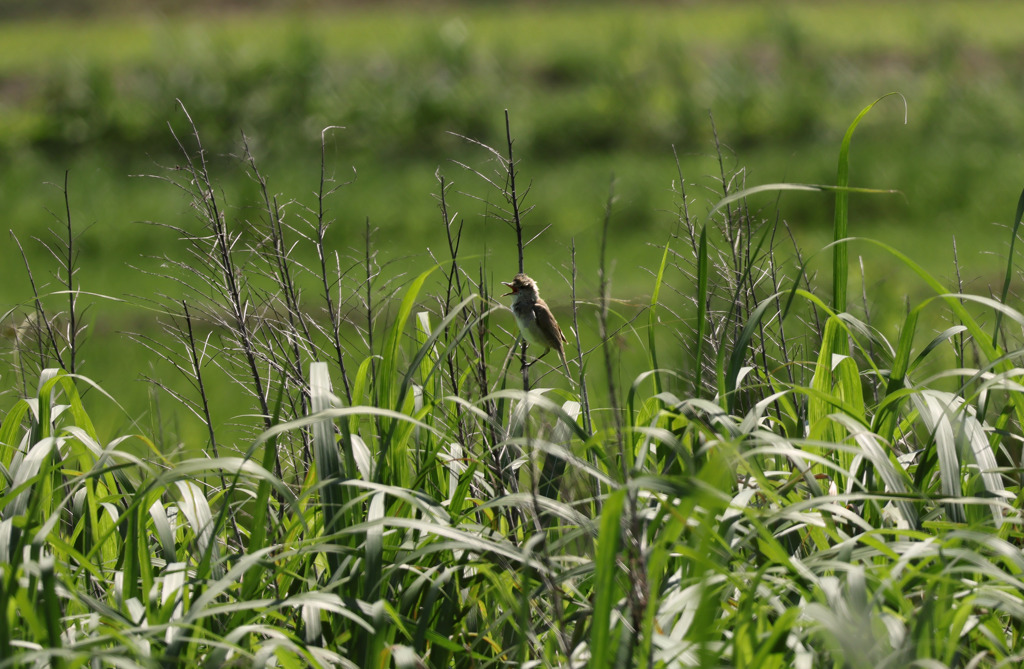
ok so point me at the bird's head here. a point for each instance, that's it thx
(522, 285)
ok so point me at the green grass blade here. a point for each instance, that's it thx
(652, 318)
(329, 470)
(894, 477)
(840, 231)
(888, 415)
(606, 592)
(785, 186)
(164, 533)
(51, 608)
(199, 515)
(937, 341)
(261, 505)
(394, 387)
(739, 353)
(934, 415)
(702, 315)
(960, 441)
(954, 303)
(1009, 267)
(429, 341)
(374, 548)
(132, 552)
(836, 383)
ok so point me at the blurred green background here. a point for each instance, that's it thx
(594, 91)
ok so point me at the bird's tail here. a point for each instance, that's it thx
(565, 365)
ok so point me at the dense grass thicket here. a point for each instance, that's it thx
(780, 481)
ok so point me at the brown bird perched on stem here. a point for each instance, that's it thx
(535, 319)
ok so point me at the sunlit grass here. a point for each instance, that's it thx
(793, 484)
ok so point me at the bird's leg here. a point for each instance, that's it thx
(530, 364)
(546, 351)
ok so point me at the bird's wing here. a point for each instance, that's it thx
(544, 318)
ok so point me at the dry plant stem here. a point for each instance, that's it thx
(454, 275)
(369, 259)
(545, 573)
(197, 373)
(773, 266)
(453, 289)
(602, 329)
(297, 327)
(775, 289)
(960, 291)
(588, 424)
(511, 171)
(164, 352)
(505, 184)
(480, 343)
(728, 225)
(41, 319)
(818, 328)
(867, 312)
(524, 368)
(70, 270)
(683, 218)
(321, 232)
(637, 596)
(729, 229)
(368, 267)
(683, 214)
(207, 202)
(510, 167)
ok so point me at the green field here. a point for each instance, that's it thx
(759, 461)
(591, 94)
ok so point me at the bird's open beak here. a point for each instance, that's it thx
(510, 287)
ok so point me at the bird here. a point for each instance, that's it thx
(536, 322)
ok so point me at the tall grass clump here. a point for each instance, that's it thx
(769, 478)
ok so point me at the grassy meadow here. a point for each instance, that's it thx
(263, 400)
